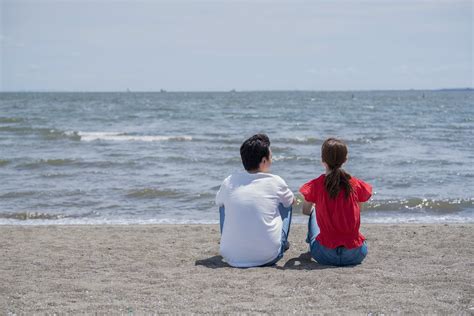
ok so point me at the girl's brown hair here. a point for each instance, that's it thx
(334, 154)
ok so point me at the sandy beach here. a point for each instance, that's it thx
(177, 269)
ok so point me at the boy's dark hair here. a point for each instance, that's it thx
(334, 154)
(253, 150)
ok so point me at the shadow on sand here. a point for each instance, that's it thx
(303, 262)
(212, 263)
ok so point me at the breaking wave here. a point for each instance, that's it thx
(109, 136)
(419, 204)
(53, 134)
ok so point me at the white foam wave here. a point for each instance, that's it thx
(382, 217)
(297, 219)
(293, 158)
(105, 221)
(110, 136)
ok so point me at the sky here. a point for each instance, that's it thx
(180, 45)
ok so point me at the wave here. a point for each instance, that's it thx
(23, 216)
(422, 205)
(109, 136)
(58, 134)
(17, 194)
(293, 158)
(65, 220)
(298, 140)
(79, 163)
(11, 119)
(53, 134)
(363, 140)
(47, 162)
(43, 196)
(427, 162)
(47, 133)
(26, 216)
(4, 162)
(150, 193)
(56, 175)
(319, 141)
(39, 219)
(414, 205)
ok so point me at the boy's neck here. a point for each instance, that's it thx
(258, 171)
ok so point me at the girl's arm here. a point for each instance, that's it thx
(307, 207)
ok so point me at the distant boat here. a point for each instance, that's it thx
(232, 91)
(128, 90)
(162, 90)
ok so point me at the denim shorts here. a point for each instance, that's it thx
(340, 256)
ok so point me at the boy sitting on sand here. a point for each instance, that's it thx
(255, 209)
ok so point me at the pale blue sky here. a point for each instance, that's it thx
(245, 45)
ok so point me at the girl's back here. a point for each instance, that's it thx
(339, 217)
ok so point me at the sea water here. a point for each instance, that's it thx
(127, 158)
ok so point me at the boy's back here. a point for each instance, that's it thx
(252, 229)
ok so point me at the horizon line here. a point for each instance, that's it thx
(233, 90)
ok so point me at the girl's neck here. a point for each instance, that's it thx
(328, 170)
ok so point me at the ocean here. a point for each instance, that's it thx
(148, 158)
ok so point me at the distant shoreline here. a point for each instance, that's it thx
(240, 91)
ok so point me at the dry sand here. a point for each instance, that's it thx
(177, 269)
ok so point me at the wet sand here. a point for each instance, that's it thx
(177, 269)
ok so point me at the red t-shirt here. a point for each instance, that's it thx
(339, 218)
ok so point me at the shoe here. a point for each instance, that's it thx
(287, 246)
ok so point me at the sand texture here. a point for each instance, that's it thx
(177, 269)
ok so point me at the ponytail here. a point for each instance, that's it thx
(334, 154)
(336, 180)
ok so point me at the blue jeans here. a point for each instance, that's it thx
(340, 256)
(286, 214)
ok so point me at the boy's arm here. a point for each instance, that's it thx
(286, 197)
(223, 191)
(219, 196)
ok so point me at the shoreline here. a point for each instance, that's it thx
(298, 219)
(214, 225)
(176, 268)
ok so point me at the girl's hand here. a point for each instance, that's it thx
(307, 207)
(297, 200)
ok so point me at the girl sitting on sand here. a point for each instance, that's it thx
(332, 202)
